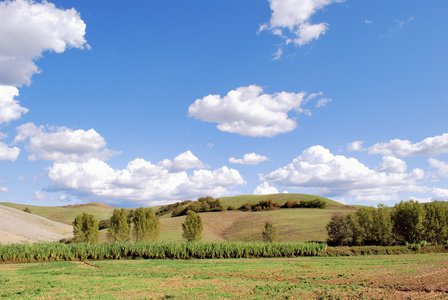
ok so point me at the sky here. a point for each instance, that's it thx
(148, 102)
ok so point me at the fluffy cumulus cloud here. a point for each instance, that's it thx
(440, 166)
(291, 20)
(392, 165)
(440, 194)
(8, 153)
(249, 159)
(339, 176)
(431, 146)
(182, 162)
(10, 108)
(3, 189)
(265, 189)
(250, 112)
(140, 181)
(61, 143)
(355, 146)
(27, 29)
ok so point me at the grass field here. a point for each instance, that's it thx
(423, 276)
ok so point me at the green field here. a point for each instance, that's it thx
(423, 276)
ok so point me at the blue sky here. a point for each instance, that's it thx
(150, 102)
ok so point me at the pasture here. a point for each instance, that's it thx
(409, 276)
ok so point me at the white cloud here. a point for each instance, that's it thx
(392, 165)
(182, 162)
(265, 189)
(3, 189)
(368, 21)
(431, 146)
(249, 112)
(323, 102)
(338, 176)
(440, 166)
(27, 29)
(278, 54)
(10, 109)
(249, 159)
(355, 146)
(140, 181)
(294, 16)
(38, 195)
(61, 143)
(7, 153)
(440, 194)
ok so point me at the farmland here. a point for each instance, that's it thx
(423, 276)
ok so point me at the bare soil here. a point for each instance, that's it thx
(17, 226)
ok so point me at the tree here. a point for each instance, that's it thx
(382, 226)
(269, 233)
(85, 229)
(119, 229)
(435, 222)
(146, 224)
(408, 221)
(192, 227)
(339, 230)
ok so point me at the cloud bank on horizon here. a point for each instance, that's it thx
(80, 167)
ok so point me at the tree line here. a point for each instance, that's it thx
(142, 224)
(407, 222)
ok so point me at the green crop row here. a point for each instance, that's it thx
(153, 250)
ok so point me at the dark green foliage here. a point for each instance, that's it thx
(146, 224)
(27, 210)
(435, 222)
(103, 224)
(203, 204)
(271, 205)
(85, 229)
(192, 227)
(340, 232)
(408, 221)
(269, 233)
(119, 230)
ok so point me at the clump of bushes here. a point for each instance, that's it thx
(271, 205)
(203, 204)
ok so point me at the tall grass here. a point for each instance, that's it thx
(155, 250)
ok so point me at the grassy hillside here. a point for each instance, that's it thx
(66, 214)
(279, 198)
(297, 224)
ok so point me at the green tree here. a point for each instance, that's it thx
(269, 233)
(408, 221)
(119, 229)
(192, 227)
(435, 222)
(85, 229)
(146, 224)
(339, 230)
(382, 226)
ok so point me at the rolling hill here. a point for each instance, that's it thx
(297, 224)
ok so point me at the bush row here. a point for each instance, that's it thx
(155, 250)
(387, 250)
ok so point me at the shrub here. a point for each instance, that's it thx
(27, 210)
(103, 224)
(146, 224)
(192, 227)
(269, 233)
(85, 229)
(119, 228)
